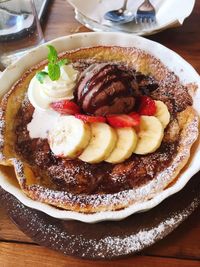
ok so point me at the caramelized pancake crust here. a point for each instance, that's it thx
(84, 187)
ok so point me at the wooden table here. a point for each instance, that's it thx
(182, 247)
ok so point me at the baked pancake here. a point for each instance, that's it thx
(85, 186)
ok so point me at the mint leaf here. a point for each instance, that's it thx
(54, 65)
(53, 55)
(63, 61)
(40, 76)
(53, 71)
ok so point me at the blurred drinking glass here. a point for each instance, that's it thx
(19, 29)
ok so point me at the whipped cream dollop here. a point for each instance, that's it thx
(42, 94)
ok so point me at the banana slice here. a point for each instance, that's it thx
(126, 143)
(150, 135)
(69, 137)
(101, 144)
(162, 113)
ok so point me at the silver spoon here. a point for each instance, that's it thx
(121, 15)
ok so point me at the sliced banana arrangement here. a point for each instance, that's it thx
(69, 137)
(162, 113)
(150, 135)
(125, 145)
(95, 142)
(102, 142)
(152, 130)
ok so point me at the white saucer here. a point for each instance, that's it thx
(169, 13)
(142, 29)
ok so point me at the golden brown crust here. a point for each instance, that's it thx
(187, 123)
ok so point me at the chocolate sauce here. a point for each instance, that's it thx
(113, 81)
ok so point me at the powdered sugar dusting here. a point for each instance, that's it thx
(97, 202)
(51, 233)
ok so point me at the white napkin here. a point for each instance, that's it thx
(169, 13)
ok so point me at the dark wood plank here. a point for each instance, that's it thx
(184, 242)
(31, 255)
(8, 230)
(60, 21)
(185, 39)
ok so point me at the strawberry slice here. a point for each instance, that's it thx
(87, 118)
(147, 106)
(65, 107)
(136, 117)
(123, 120)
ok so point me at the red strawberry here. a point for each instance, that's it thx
(123, 120)
(87, 118)
(65, 107)
(147, 106)
(136, 117)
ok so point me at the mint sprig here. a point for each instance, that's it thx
(53, 71)
(40, 76)
(52, 55)
(54, 66)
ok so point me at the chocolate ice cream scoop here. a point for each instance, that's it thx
(106, 89)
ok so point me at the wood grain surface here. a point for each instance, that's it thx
(182, 247)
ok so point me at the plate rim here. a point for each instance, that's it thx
(106, 215)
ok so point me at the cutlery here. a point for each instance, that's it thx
(145, 13)
(121, 15)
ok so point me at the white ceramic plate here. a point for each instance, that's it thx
(169, 13)
(142, 29)
(173, 61)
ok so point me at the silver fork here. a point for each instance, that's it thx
(145, 13)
